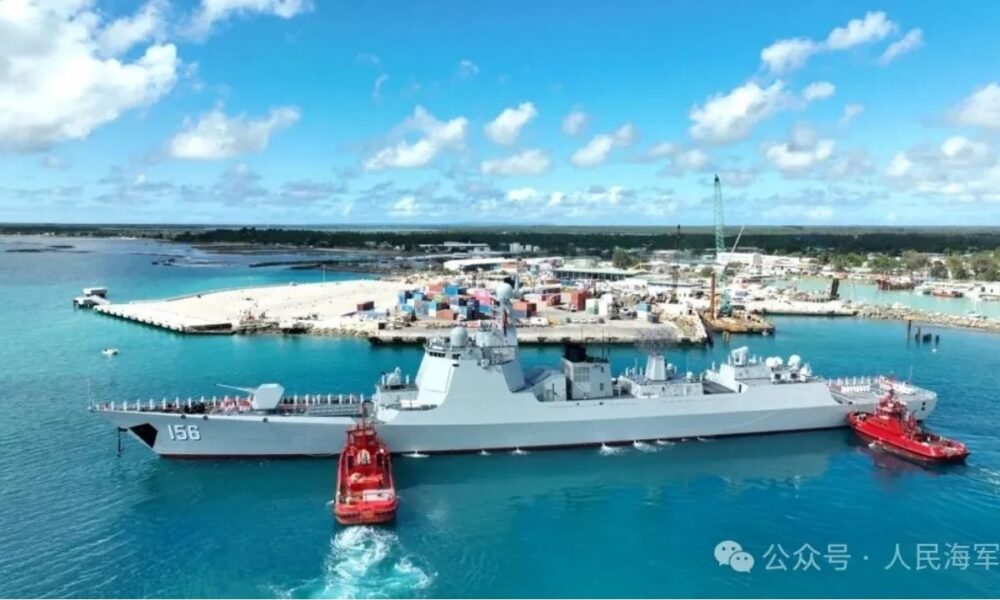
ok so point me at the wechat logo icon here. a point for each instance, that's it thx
(731, 553)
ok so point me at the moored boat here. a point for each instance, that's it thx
(894, 428)
(366, 492)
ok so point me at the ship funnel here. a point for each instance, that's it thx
(656, 368)
(739, 356)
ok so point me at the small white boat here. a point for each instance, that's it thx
(110, 352)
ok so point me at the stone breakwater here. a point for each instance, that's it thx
(927, 317)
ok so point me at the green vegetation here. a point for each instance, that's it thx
(620, 258)
(904, 249)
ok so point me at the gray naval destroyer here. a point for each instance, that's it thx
(471, 393)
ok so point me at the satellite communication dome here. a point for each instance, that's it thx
(505, 292)
(794, 361)
(459, 337)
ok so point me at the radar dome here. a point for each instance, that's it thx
(459, 337)
(505, 292)
(794, 361)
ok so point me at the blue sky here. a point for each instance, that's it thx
(317, 112)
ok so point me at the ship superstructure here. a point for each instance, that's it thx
(471, 393)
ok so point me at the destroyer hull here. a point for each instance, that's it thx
(792, 408)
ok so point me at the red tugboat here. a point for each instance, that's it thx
(366, 493)
(896, 430)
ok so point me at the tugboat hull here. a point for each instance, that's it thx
(919, 446)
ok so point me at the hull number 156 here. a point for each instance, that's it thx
(184, 433)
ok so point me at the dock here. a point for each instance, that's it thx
(268, 309)
(92, 297)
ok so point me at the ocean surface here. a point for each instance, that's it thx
(870, 294)
(77, 520)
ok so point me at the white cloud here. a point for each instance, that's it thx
(53, 162)
(981, 109)
(819, 90)
(800, 211)
(575, 122)
(520, 195)
(900, 166)
(597, 150)
(819, 213)
(436, 137)
(467, 69)
(506, 128)
(119, 36)
(874, 27)
(730, 117)
(377, 86)
(662, 149)
(215, 136)
(802, 151)
(625, 135)
(53, 84)
(529, 162)
(680, 159)
(850, 111)
(789, 158)
(690, 160)
(736, 178)
(913, 40)
(960, 169)
(212, 12)
(407, 206)
(367, 58)
(961, 151)
(790, 54)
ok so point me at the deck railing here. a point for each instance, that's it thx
(228, 405)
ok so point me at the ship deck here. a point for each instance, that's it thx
(869, 390)
(314, 405)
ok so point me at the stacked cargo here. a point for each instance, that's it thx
(577, 299)
(524, 309)
(449, 302)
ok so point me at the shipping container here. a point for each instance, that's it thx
(366, 305)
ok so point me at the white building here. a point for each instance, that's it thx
(755, 263)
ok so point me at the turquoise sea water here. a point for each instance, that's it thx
(870, 294)
(77, 520)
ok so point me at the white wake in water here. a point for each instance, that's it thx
(415, 455)
(644, 447)
(664, 443)
(607, 450)
(365, 562)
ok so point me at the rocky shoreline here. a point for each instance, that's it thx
(927, 317)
